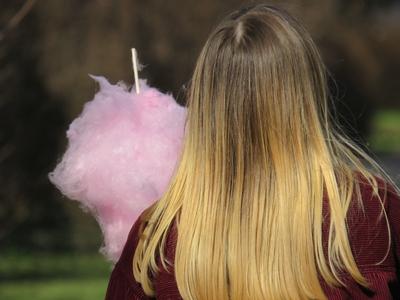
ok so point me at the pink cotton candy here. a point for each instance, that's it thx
(122, 152)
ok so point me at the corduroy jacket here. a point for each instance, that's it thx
(368, 236)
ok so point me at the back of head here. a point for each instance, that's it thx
(259, 76)
(258, 93)
(261, 152)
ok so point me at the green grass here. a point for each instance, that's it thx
(53, 276)
(385, 135)
(55, 289)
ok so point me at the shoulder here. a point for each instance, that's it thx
(386, 191)
(133, 236)
(376, 200)
(376, 225)
(122, 283)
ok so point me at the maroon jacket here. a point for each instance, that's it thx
(368, 239)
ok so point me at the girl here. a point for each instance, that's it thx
(271, 200)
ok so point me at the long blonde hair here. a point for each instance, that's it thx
(261, 150)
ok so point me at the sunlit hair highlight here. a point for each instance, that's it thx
(261, 153)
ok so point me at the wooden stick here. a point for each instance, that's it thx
(135, 69)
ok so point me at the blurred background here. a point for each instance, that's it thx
(48, 245)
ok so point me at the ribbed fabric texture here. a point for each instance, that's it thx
(368, 238)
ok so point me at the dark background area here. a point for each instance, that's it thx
(48, 48)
